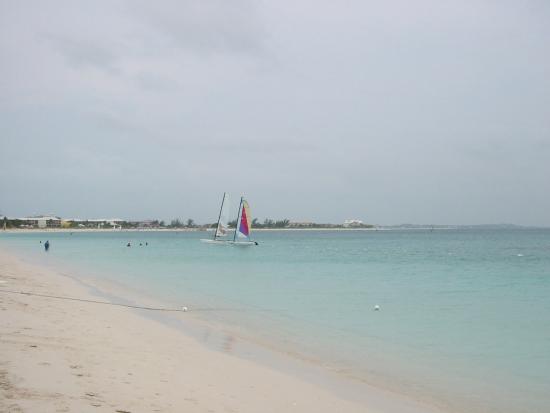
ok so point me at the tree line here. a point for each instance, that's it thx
(177, 223)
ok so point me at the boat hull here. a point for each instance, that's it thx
(229, 242)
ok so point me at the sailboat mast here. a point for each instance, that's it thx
(219, 217)
(237, 223)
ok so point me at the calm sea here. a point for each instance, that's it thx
(464, 314)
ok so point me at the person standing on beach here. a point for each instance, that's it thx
(47, 245)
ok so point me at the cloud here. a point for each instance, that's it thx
(82, 53)
(389, 112)
(156, 82)
(208, 27)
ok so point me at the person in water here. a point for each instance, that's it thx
(47, 245)
(128, 245)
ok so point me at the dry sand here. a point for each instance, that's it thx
(70, 356)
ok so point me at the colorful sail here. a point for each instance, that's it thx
(245, 224)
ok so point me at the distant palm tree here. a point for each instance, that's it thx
(176, 223)
(282, 223)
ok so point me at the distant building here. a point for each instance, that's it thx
(352, 223)
(42, 221)
(148, 223)
(93, 223)
(107, 221)
(301, 224)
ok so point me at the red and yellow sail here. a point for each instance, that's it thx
(246, 223)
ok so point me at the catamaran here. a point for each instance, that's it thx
(241, 236)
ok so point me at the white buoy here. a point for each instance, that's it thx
(184, 309)
(376, 307)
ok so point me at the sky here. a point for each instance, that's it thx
(426, 111)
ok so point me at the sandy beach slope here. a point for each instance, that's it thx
(69, 356)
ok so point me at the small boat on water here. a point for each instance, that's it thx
(241, 236)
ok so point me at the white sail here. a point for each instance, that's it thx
(223, 221)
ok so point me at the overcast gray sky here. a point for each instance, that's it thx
(426, 111)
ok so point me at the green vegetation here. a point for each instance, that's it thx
(269, 223)
(13, 223)
(175, 223)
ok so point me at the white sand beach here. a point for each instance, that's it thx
(61, 355)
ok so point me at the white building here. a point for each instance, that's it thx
(96, 222)
(351, 223)
(301, 224)
(42, 221)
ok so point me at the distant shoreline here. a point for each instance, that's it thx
(184, 229)
(382, 228)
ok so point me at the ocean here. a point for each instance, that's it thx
(463, 319)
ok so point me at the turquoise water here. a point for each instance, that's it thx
(464, 319)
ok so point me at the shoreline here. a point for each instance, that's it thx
(107, 230)
(210, 230)
(73, 321)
